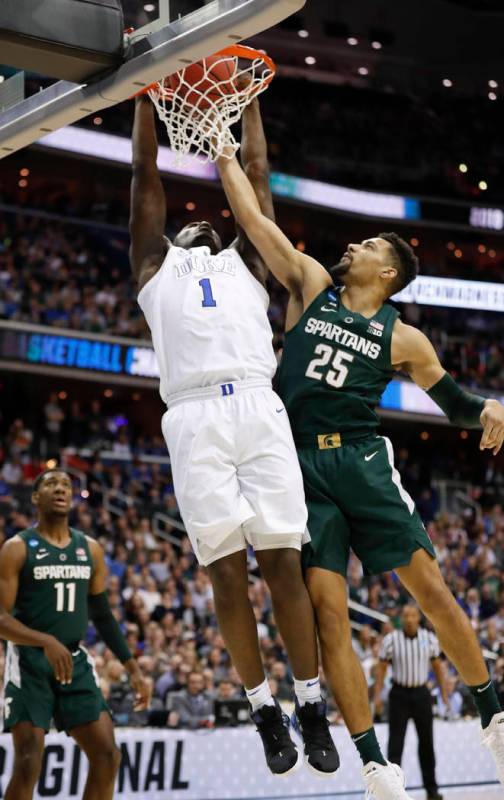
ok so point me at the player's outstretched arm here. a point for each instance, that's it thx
(254, 159)
(108, 627)
(148, 202)
(300, 274)
(12, 559)
(413, 353)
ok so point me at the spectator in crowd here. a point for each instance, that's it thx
(192, 706)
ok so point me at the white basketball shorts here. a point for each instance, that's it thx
(235, 469)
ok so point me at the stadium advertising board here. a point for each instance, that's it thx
(55, 349)
(109, 147)
(228, 763)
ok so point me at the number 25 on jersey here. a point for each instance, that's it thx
(337, 375)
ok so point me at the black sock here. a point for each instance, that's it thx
(487, 701)
(368, 747)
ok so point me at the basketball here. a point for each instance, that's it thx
(211, 80)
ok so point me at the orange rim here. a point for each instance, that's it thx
(235, 50)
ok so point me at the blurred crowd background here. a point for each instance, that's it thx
(163, 600)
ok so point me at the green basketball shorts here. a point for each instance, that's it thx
(356, 501)
(32, 693)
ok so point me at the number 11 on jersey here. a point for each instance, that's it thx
(208, 298)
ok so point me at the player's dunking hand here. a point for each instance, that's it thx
(141, 685)
(60, 659)
(492, 419)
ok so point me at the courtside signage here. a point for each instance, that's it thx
(453, 293)
(82, 354)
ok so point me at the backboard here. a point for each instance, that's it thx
(166, 35)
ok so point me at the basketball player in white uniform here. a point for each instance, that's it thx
(235, 469)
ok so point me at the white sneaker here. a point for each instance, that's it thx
(384, 783)
(493, 739)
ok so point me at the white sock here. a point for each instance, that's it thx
(307, 691)
(260, 696)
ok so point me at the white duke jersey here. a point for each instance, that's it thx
(208, 319)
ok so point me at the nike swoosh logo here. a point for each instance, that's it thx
(368, 458)
(360, 737)
(313, 683)
(251, 694)
(334, 310)
(41, 555)
(484, 688)
(77, 653)
(279, 410)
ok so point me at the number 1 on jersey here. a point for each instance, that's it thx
(208, 298)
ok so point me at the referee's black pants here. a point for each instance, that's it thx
(415, 704)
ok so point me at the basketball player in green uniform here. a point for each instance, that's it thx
(52, 578)
(342, 348)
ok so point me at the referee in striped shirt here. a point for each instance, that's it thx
(411, 652)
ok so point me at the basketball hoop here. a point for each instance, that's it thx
(201, 102)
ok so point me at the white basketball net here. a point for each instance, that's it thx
(202, 126)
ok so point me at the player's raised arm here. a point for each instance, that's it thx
(412, 352)
(299, 273)
(108, 627)
(148, 202)
(254, 158)
(12, 559)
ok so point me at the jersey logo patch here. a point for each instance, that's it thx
(328, 441)
(41, 554)
(81, 554)
(63, 557)
(33, 542)
(370, 457)
(348, 320)
(376, 328)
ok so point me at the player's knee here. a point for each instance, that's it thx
(281, 569)
(228, 582)
(333, 627)
(106, 760)
(28, 762)
(437, 600)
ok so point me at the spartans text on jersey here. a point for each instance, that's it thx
(333, 333)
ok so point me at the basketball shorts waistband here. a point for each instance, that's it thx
(331, 441)
(219, 390)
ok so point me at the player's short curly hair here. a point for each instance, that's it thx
(405, 261)
(40, 478)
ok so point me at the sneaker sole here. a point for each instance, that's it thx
(318, 773)
(295, 767)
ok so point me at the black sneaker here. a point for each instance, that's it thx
(282, 755)
(434, 795)
(320, 753)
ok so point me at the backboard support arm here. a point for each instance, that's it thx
(148, 59)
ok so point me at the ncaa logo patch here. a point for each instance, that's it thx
(33, 542)
(332, 295)
(81, 554)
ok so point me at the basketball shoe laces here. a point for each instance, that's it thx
(274, 732)
(394, 786)
(316, 731)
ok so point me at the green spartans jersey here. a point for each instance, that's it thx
(335, 367)
(54, 585)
